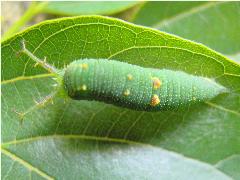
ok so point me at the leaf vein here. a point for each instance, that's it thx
(222, 108)
(20, 78)
(26, 164)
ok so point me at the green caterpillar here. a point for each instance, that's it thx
(130, 86)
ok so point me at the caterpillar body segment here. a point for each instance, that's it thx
(126, 85)
(135, 87)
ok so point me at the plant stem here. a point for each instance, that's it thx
(33, 9)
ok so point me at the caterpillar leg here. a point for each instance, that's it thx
(38, 104)
(42, 63)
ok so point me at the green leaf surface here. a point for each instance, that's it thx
(93, 140)
(215, 24)
(153, 12)
(231, 166)
(72, 8)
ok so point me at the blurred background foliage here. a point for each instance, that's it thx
(200, 21)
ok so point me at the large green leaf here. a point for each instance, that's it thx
(87, 7)
(92, 140)
(215, 24)
(153, 12)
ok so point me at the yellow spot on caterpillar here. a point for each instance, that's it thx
(155, 100)
(129, 77)
(84, 87)
(126, 93)
(156, 82)
(84, 66)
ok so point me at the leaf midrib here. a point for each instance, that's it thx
(21, 78)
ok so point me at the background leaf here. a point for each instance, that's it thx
(88, 8)
(215, 24)
(151, 13)
(92, 140)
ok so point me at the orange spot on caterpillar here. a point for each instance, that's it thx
(155, 100)
(156, 82)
